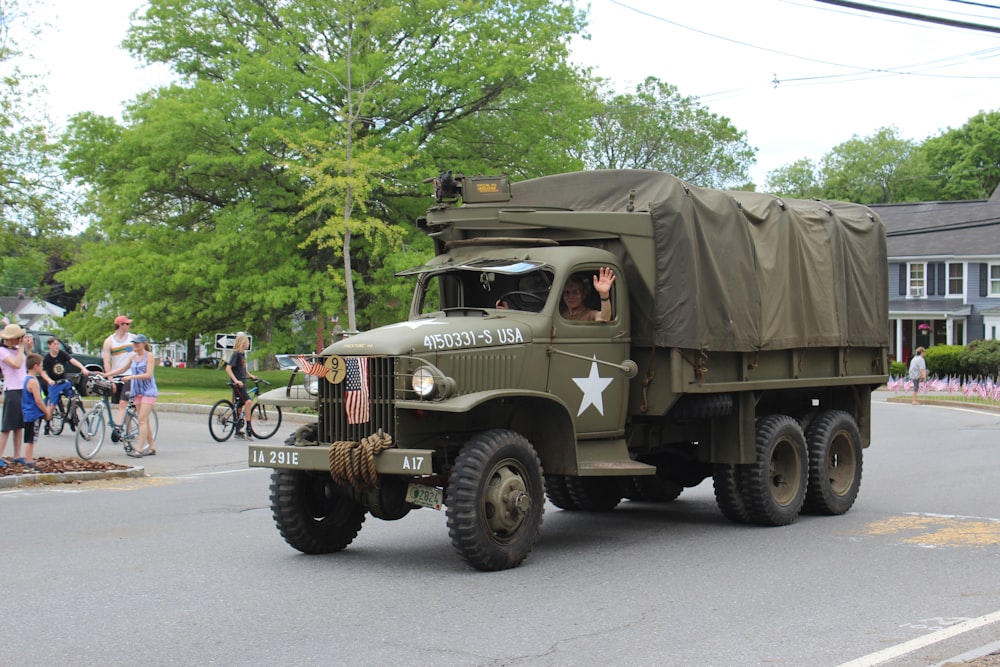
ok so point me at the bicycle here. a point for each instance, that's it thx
(226, 414)
(90, 434)
(69, 408)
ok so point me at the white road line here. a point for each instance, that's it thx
(216, 472)
(893, 652)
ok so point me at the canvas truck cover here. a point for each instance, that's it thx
(739, 271)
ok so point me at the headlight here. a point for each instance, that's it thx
(311, 384)
(423, 382)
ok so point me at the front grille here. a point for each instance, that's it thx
(333, 418)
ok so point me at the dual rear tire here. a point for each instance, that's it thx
(818, 471)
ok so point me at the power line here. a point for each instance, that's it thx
(912, 15)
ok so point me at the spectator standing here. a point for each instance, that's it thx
(13, 348)
(918, 370)
(116, 348)
(140, 365)
(54, 366)
(238, 373)
(33, 407)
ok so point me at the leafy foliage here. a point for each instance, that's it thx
(243, 196)
(657, 128)
(944, 359)
(982, 358)
(967, 159)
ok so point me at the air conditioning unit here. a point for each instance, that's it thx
(916, 291)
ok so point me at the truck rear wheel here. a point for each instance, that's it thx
(596, 494)
(495, 499)
(558, 492)
(835, 461)
(729, 492)
(652, 489)
(310, 514)
(774, 485)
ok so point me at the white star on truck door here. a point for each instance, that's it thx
(593, 387)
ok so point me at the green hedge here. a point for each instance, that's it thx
(944, 360)
(981, 358)
(897, 369)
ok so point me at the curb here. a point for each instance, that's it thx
(45, 478)
(941, 402)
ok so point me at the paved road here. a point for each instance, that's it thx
(186, 567)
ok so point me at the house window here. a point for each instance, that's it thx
(918, 273)
(994, 279)
(956, 279)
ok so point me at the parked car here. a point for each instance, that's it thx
(89, 361)
(208, 362)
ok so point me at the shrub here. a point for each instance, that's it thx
(944, 360)
(897, 369)
(981, 358)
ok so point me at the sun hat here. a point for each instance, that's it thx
(121, 319)
(12, 331)
(141, 338)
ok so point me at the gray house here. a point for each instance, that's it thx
(944, 273)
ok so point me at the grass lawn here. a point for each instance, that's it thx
(204, 385)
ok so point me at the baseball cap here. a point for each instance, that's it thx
(121, 319)
(141, 338)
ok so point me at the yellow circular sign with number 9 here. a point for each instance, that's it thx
(337, 367)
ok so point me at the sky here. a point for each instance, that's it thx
(798, 76)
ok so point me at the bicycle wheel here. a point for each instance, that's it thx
(154, 424)
(90, 433)
(76, 412)
(222, 420)
(265, 420)
(58, 420)
(130, 432)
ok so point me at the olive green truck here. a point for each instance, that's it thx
(740, 339)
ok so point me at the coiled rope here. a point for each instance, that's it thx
(352, 463)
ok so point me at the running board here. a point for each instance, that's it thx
(608, 458)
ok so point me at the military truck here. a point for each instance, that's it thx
(744, 337)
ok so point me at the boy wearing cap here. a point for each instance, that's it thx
(116, 348)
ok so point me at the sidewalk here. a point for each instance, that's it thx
(114, 463)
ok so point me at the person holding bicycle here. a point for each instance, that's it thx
(54, 366)
(238, 374)
(140, 365)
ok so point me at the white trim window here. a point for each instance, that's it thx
(956, 279)
(917, 284)
(994, 280)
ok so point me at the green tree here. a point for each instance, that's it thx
(293, 140)
(657, 128)
(966, 160)
(800, 180)
(878, 169)
(33, 202)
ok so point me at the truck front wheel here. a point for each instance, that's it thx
(774, 485)
(495, 500)
(310, 514)
(834, 463)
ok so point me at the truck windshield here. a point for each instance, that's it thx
(485, 288)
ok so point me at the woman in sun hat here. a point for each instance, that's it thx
(13, 349)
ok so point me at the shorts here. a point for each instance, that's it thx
(916, 384)
(13, 418)
(139, 399)
(116, 397)
(242, 392)
(32, 429)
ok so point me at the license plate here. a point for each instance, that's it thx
(424, 496)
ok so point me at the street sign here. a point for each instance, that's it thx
(225, 341)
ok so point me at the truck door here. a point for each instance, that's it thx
(596, 393)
